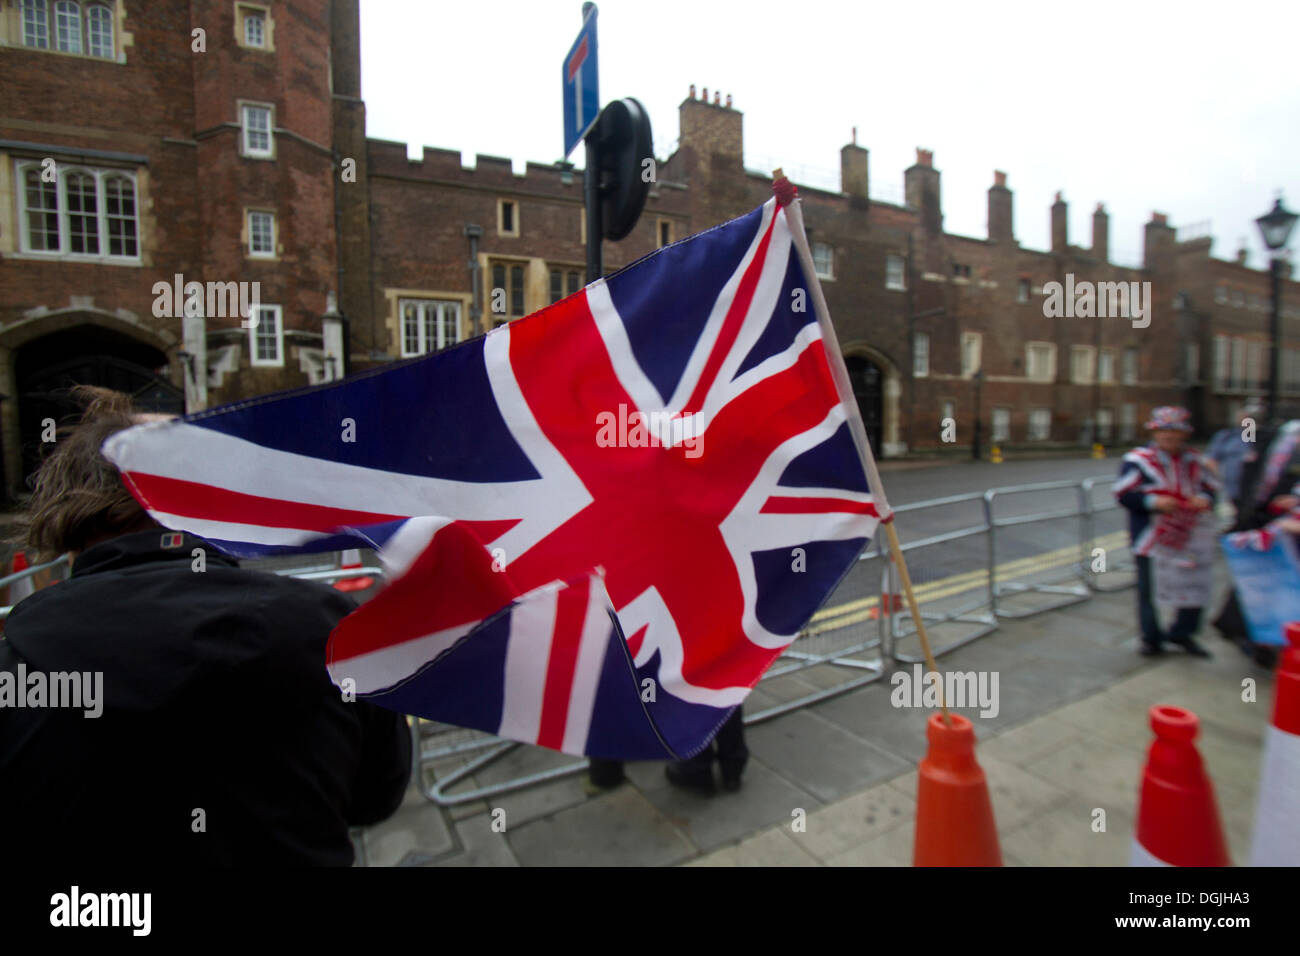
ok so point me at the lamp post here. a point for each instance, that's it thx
(1276, 228)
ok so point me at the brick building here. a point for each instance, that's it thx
(148, 145)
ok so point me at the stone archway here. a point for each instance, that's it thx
(877, 386)
(44, 354)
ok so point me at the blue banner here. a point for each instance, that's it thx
(1266, 571)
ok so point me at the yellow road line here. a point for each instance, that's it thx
(861, 609)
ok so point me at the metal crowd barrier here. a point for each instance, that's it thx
(1038, 573)
(960, 585)
(945, 596)
(848, 650)
(1106, 527)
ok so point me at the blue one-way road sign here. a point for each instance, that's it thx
(581, 85)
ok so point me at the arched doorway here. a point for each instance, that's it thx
(45, 368)
(869, 389)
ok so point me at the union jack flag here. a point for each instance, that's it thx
(603, 521)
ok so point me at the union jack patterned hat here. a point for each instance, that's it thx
(1170, 417)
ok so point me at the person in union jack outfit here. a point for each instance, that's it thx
(1165, 486)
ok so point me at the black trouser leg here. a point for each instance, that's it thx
(732, 752)
(1148, 619)
(1185, 624)
(605, 773)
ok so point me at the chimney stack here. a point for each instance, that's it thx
(921, 188)
(853, 170)
(1101, 233)
(1060, 225)
(1158, 242)
(1000, 222)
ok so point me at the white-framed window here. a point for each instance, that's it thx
(261, 234)
(1220, 295)
(428, 325)
(85, 212)
(257, 122)
(1129, 369)
(99, 31)
(921, 354)
(507, 217)
(1040, 361)
(1127, 422)
(565, 281)
(1040, 424)
(506, 294)
(1001, 424)
(1254, 363)
(1022, 291)
(254, 28)
(1238, 297)
(266, 338)
(972, 347)
(1082, 358)
(36, 24)
(1106, 366)
(67, 26)
(823, 260)
(1220, 361)
(895, 277)
(1105, 422)
(1237, 362)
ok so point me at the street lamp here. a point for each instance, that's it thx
(1276, 228)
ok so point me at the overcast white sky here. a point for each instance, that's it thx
(1187, 108)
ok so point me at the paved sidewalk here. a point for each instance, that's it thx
(1069, 739)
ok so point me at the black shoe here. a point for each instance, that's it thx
(730, 781)
(697, 781)
(1190, 646)
(1265, 656)
(1147, 649)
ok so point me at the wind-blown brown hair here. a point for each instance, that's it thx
(78, 496)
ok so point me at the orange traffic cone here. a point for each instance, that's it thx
(1277, 829)
(954, 815)
(351, 558)
(1177, 820)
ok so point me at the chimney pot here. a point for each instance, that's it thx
(1060, 226)
(1058, 196)
(1161, 218)
(1101, 233)
(706, 94)
(855, 136)
(728, 101)
(1241, 256)
(717, 98)
(1000, 219)
(692, 91)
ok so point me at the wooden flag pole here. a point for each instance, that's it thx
(786, 196)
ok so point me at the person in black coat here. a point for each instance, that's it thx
(215, 736)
